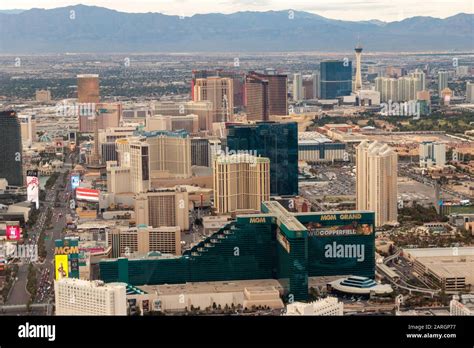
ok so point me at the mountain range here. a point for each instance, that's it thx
(83, 28)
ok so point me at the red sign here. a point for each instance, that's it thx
(86, 194)
(13, 233)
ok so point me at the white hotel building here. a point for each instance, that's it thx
(329, 306)
(82, 297)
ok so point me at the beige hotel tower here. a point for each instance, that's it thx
(376, 190)
(220, 91)
(241, 182)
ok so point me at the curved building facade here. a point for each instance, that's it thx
(275, 244)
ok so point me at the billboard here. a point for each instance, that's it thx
(13, 232)
(75, 179)
(340, 243)
(69, 248)
(32, 186)
(353, 229)
(61, 267)
(85, 194)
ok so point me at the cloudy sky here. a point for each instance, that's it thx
(386, 10)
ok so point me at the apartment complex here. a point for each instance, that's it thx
(164, 207)
(432, 154)
(257, 98)
(238, 79)
(203, 109)
(219, 91)
(119, 179)
(298, 87)
(277, 93)
(200, 152)
(88, 88)
(139, 166)
(28, 128)
(470, 92)
(170, 154)
(144, 239)
(376, 189)
(265, 95)
(443, 78)
(401, 89)
(241, 182)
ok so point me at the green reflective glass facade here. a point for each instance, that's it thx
(323, 261)
(336, 78)
(276, 141)
(273, 245)
(242, 250)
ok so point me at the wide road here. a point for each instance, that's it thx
(58, 224)
(18, 294)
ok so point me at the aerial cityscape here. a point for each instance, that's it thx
(247, 161)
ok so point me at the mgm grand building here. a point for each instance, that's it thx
(274, 244)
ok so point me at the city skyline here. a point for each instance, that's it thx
(237, 158)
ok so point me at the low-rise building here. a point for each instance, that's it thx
(82, 297)
(451, 269)
(243, 294)
(329, 306)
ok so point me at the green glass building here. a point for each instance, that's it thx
(276, 141)
(275, 244)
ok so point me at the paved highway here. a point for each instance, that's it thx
(18, 294)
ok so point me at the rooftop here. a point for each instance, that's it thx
(440, 252)
(213, 287)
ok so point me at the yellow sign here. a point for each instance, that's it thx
(66, 250)
(61, 266)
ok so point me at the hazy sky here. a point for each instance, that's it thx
(387, 10)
